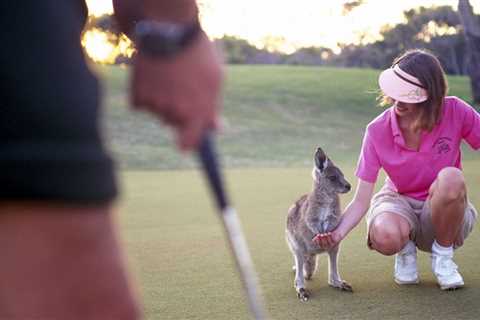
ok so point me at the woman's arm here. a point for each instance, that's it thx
(352, 215)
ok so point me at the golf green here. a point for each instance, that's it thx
(183, 270)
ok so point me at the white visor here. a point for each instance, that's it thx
(401, 86)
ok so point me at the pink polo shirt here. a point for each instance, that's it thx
(411, 172)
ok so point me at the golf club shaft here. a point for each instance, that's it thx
(232, 227)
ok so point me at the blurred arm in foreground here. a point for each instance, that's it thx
(177, 74)
(61, 257)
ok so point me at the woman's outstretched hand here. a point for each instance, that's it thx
(327, 240)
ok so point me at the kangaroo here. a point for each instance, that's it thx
(316, 212)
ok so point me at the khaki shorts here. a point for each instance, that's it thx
(419, 216)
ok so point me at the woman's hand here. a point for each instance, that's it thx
(328, 240)
(352, 215)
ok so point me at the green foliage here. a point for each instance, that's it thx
(236, 51)
(437, 29)
(443, 15)
(105, 22)
(425, 28)
(471, 30)
(274, 116)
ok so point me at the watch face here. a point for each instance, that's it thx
(161, 39)
(158, 45)
(172, 31)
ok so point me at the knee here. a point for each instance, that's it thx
(451, 184)
(387, 239)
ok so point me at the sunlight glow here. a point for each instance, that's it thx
(125, 46)
(306, 23)
(97, 46)
(433, 29)
(99, 7)
(104, 47)
(286, 25)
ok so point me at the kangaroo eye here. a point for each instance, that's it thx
(332, 178)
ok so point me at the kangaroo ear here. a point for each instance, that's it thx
(321, 159)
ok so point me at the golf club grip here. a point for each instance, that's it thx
(208, 158)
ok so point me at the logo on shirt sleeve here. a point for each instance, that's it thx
(442, 145)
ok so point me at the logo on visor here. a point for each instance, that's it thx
(414, 94)
(442, 145)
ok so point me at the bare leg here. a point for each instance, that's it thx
(62, 262)
(389, 233)
(447, 200)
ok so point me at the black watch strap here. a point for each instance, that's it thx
(191, 32)
(163, 39)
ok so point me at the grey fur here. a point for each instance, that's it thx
(316, 212)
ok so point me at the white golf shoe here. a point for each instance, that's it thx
(406, 265)
(446, 271)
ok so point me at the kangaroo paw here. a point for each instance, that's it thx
(341, 285)
(303, 294)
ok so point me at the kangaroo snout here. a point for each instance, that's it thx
(343, 187)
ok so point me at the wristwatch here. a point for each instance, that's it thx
(164, 39)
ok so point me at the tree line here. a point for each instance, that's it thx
(453, 36)
(436, 29)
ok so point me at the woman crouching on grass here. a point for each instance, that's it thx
(423, 203)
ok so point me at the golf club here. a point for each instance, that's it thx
(231, 224)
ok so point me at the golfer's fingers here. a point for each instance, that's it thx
(170, 116)
(140, 94)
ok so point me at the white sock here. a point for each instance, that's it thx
(441, 250)
(409, 247)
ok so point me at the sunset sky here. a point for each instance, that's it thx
(300, 23)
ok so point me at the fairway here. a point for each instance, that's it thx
(274, 116)
(274, 119)
(177, 252)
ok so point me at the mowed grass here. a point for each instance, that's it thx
(275, 117)
(177, 251)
